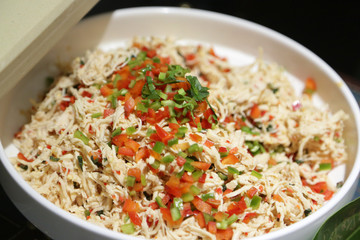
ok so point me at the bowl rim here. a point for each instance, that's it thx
(226, 19)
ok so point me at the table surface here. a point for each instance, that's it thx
(18, 227)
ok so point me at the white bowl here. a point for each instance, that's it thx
(236, 38)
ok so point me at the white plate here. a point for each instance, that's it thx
(235, 38)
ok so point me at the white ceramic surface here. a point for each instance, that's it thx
(235, 38)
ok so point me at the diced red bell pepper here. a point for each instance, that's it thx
(180, 161)
(120, 140)
(187, 210)
(201, 165)
(134, 218)
(200, 219)
(208, 143)
(136, 90)
(310, 85)
(106, 91)
(202, 178)
(131, 206)
(142, 153)
(248, 217)
(328, 195)
(187, 178)
(224, 234)
(138, 187)
(230, 159)
(211, 227)
(201, 205)
(213, 202)
(251, 192)
(86, 94)
(255, 111)
(108, 112)
(151, 53)
(237, 207)
(132, 144)
(319, 187)
(168, 218)
(22, 157)
(129, 106)
(135, 172)
(126, 151)
(195, 137)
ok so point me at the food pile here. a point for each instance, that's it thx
(170, 141)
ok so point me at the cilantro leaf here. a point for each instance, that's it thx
(197, 91)
(149, 90)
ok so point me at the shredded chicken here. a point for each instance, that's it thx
(281, 152)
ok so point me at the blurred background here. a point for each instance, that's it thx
(331, 29)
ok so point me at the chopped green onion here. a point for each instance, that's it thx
(182, 92)
(158, 147)
(181, 132)
(128, 228)
(180, 174)
(197, 174)
(316, 138)
(173, 141)
(143, 180)
(178, 202)
(194, 190)
(194, 148)
(187, 197)
(80, 161)
(116, 132)
(169, 103)
(132, 83)
(87, 213)
(155, 105)
(249, 130)
(233, 170)
(188, 167)
(141, 107)
(255, 202)
(150, 131)
(324, 166)
(156, 60)
(130, 181)
(96, 115)
(159, 202)
(233, 218)
(156, 164)
(222, 176)
(182, 154)
(116, 79)
(130, 130)
(168, 88)
(123, 91)
(168, 159)
(256, 174)
(175, 213)
(206, 196)
(163, 95)
(78, 134)
(54, 159)
(162, 76)
(222, 225)
(223, 154)
(208, 217)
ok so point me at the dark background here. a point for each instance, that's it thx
(331, 29)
